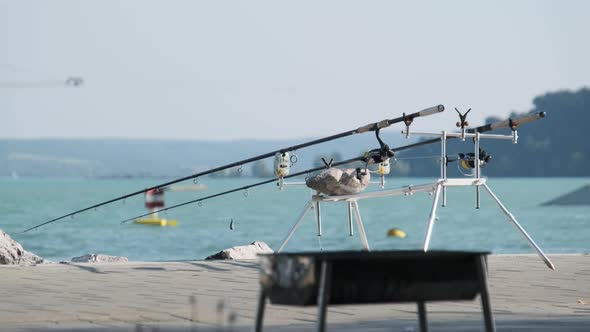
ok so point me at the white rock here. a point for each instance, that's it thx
(99, 258)
(334, 181)
(12, 252)
(250, 251)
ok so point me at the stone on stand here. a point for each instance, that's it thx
(334, 181)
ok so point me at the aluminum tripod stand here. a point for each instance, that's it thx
(476, 181)
(438, 188)
(314, 203)
(353, 209)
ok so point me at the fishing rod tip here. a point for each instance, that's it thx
(28, 229)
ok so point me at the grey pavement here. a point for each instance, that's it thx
(222, 296)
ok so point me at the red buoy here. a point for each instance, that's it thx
(154, 198)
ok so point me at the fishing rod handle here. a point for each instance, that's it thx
(512, 122)
(528, 118)
(429, 111)
(386, 123)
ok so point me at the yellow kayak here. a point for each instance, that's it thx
(156, 222)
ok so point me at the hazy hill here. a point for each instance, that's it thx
(554, 146)
(121, 158)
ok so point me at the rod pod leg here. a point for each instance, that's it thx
(432, 216)
(318, 217)
(360, 226)
(308, 207)
(350, 228)
(519, 227)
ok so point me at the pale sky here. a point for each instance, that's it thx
(278, 69)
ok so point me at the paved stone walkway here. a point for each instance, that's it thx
(156, 296)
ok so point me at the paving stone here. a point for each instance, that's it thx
(525, 295)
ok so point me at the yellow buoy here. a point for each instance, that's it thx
(396, 232)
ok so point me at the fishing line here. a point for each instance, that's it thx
(245, 189)
(398, 159)
(421, 157)
(69, 82)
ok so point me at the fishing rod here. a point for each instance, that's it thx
(406, 118)
(245, 188)
(375, 156)
(512, 123)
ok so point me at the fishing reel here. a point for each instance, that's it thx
(282, 167)
(380, 156)
(466, 161)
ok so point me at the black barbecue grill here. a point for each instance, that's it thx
(352, 277)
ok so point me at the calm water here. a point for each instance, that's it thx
(267, 214)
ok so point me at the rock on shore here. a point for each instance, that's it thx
(243, 252)
(12, 252)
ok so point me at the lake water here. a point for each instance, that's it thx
(267, 214)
